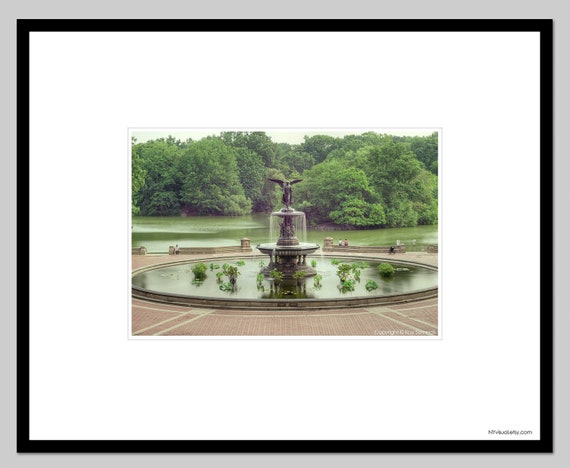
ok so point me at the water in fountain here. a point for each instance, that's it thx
(300, 226)
(298, 222)
(273, 229)
(178, 279)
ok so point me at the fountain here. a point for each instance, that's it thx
(288, 255)
(176, 282)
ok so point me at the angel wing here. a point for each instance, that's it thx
(295, 181)
(279, 181)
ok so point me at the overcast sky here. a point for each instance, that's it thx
(289, 135)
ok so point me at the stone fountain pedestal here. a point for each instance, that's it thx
(288, 255)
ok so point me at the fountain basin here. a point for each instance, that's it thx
(272, 248)
(172, 283)
(288, 258)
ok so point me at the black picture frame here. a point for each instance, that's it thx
(26, 445)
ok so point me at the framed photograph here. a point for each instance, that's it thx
(285, 236)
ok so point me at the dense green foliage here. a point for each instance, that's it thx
(365, 181)
(348, 275)
(231, 271)
(199, 271)
(343, 271)
(386, 270)
(371, 285)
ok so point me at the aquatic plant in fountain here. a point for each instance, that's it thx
(288, 255)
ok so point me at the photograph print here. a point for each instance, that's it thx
(288, 232)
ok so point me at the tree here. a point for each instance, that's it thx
(257, 142)
(404, 192)
(137, 177)
(319, 146)
(251, 173)
(290, 158)
(401, 180)
(424, 194)
(357, 212)
(270, 192)
(426, 150)
(211, 182)
(160, 162)
(163, 203)
(334, 192)
(361, 180)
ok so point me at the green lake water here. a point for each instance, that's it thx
(158, 233)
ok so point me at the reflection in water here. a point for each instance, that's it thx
(289, 290)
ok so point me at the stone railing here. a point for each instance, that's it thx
(369, 249)
(329, 246)
(432, 248)
(207, 250)
(245, 246)
(139, 251)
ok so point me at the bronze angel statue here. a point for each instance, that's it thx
(287, 198)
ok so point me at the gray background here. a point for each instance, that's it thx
(12, 9)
